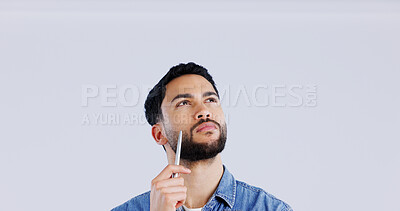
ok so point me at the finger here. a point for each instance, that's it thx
(178, 181)
(180, 203)
(174, 189)
(169, 170)
(174, 198)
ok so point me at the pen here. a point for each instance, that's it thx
(178, 152)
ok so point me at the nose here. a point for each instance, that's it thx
(203, 113)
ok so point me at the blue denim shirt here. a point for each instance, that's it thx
(231, 194)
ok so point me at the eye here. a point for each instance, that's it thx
(212, 100)
(185, 102)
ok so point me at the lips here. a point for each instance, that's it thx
(206, 126)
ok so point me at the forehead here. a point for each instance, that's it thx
(190, 83)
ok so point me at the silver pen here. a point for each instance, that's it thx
(178, 152)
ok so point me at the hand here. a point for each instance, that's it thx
(168, 193)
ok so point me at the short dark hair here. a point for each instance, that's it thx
(156, 95)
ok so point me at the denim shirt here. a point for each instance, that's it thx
(231, 194)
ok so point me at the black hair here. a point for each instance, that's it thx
(156, 95)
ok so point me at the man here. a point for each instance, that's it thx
(186, 99)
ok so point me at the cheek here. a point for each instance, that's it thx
(219, 115)
(174, 118)
(181, 120)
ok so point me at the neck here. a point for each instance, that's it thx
(203, 180)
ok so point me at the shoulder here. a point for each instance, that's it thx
(258, 198)
(140, 202)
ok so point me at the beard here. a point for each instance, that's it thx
(192, 151)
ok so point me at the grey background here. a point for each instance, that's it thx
(341, 154)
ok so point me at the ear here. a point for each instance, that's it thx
(156, 132)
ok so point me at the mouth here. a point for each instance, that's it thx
(207, 126)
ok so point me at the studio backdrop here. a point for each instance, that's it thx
(310, 91)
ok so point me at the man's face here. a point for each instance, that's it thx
(192, 105)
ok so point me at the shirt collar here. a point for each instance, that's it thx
(226, 189)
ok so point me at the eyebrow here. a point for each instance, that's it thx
(187, 95)
(206, 94)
